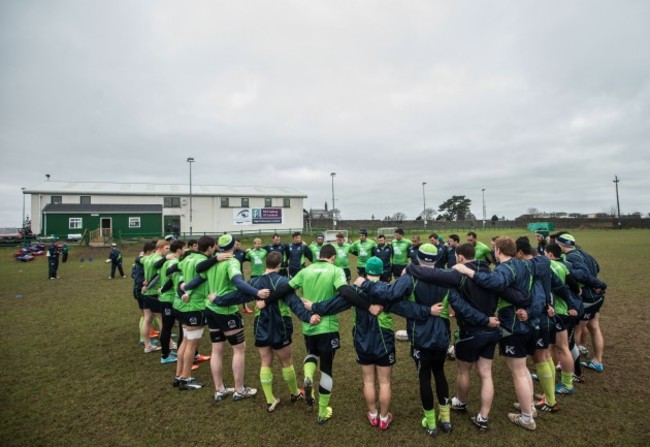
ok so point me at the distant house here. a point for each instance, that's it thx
(210, 210)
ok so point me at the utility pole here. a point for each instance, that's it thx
(333, 174)
(424, 207)
(618, 204)
(483, 192)
(190, 160)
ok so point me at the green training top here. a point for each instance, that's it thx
(169, 295)
(364, 250)
(220, 283)
(342, 255)
(315, 250)
(197, 295)
(319, 282)
(559, 305)
(482, 251)
(257, 257)
(149, 271)
(400, 251)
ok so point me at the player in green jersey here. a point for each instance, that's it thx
(191, 308)
(482, 250)
(363, 250)
(317, 245)
(319, 282)
(401, 248)
(150, 294)
(256, 257)
(224, 320)
(342, 255)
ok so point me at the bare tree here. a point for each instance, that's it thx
(398, 216)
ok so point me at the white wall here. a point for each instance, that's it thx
(207, 214)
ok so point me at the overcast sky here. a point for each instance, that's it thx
(540, 103)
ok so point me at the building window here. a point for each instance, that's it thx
(268, 202)
(244, 202)
(134, 222)
(84, 200)
(225, 202)
(286, 202)
(56, 200)
(172, 202)
(75, 223)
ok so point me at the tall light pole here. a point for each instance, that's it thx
(483, 192)
(618, 205)
(333, 174)
(23, 224)
(190, 160)
(424, 206)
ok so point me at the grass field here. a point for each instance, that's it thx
(74, 374)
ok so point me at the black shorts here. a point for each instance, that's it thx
(223, 323)
(277, 341)
(385, 360)
(293, 271)
(545, 336)
(386, 276)
(563, 322)
(283, 272)
(151, 303)
(361, 271)
(591, 309)
(472, 344)
(139, 298)
(167, 310)
(397, 270)
(427, 356)
(322, 343)
(348, 274)
(518, 345)
(192, 319)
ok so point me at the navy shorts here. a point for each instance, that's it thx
(322, 343)
(192, 319)
(223, 323)
(139, 298)
(386, 276)
(472, 344)
(563, 322)
(281, 339)
(518, 345)
(591, 309)
(166, 309)
(397, 270)
(545, 336)
(151, 302)
(384, 360)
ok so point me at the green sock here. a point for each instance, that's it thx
(309, 369)
(140, 328)
(546, 379)
(266, 377)
(429, 419)
(567, 380)
(553, 370)
(444, 411)
(323, 402)
(289, 376)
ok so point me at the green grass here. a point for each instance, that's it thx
(74, 374)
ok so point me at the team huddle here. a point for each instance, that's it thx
(538, 302)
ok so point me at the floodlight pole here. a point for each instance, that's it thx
(190, 160)
(483, 192)
(618, 205)
(333, 174)
(23, 224)
(424, 206)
